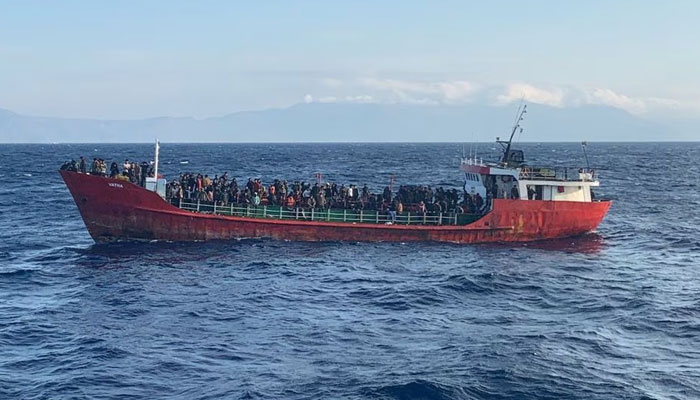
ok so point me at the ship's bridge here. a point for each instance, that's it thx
(525, 182)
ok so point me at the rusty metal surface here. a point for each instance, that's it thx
(117, 210)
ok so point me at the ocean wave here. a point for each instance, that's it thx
(612, 314)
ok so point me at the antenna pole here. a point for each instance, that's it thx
(471, 146)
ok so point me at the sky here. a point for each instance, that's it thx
(139, 59)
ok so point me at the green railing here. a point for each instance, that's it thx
(327, 214)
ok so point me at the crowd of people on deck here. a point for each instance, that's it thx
(133, 172)
(225, 191)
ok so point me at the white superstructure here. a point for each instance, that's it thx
(512, 178)
(528, 183)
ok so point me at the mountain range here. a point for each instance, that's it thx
(349, 122)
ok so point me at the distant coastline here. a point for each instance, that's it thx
(354, 123)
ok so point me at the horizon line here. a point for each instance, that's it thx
(331, 142)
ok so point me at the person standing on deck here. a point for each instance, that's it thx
(478, 202)
(200, 185)
(102, 167)
(272, 198)
(387, 195)
(113, 169)
(391, 213)
(144, 173)
(136, 173)
(514, 193)
(321, 200)
(531, 192)
(421, 207)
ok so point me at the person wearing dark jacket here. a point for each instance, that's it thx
(113, 170)
(144, 173)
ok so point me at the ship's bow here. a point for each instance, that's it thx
(112, 209)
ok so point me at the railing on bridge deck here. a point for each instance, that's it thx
(326, 214)
(557, 173)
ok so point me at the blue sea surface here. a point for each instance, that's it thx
(614, 314)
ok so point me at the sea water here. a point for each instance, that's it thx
(614, 314)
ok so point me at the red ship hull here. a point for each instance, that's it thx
(114, 210)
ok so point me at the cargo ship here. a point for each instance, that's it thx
(521, 203)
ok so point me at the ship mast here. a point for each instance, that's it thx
(520, 116)
(155, 163)
(585, 154)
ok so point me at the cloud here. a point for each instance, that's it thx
(401, 91)
(334, 99)
(574, 97)
(360, 99)
(610, 98)
(457, 90)
(523, 91)
(634, 105)
(423, 92)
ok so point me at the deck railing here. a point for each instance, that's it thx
(557, 173)
(326, 214)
